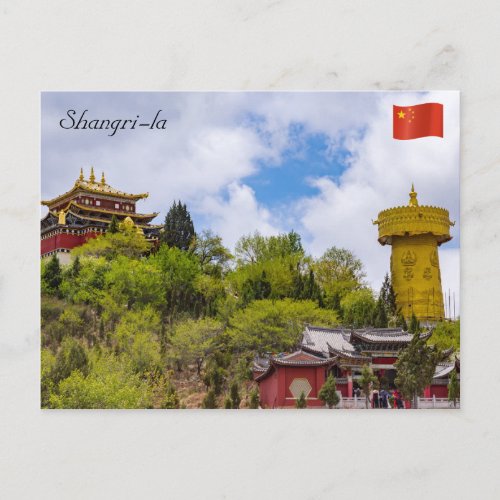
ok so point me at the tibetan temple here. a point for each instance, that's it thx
(415, 232)
(282, 378)
(85, 211)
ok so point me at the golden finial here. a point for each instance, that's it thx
(103, 179)
(92, 176)
(413, 197)
(81, 178)
(62, 217)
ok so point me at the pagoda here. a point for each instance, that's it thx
(415, 232)
(86, 211)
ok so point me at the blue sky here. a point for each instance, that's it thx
(322, 163)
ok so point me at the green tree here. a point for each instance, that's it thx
(328, 392)
(338, 272)
(266, 325)
(113, 225)
(380, 314)
(446, 334)
(52, 276)
(415, 367)
(254, 399)
(137, 336)
(366, 382)
(414, 325)
(388, 297)
(70, 357)
(454, 388)
(257, 248)
(76, 266)
(358, 307)
(215, 377)
(109, 384)
(228, 404)
(211, 253)
(192, 341)
(179, 271)
(235, 396)
(128, 241)
(209, 401)
(301, 401)
(178, 228)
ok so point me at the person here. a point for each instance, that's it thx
(383, 398)
(398, 399)
(376, 401)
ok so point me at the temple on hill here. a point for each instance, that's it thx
(343, 352)
(415, 232)
(85, 211)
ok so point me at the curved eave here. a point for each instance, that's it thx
(119, 213)
(381, 340)
(107, 192)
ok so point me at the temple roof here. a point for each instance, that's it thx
(88, 209)
(265, 366)
(350, 343)
(94, 187)
(75, 219)
(322, 340)
(443, 369)
(384, 335)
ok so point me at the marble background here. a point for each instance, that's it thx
(198, 45)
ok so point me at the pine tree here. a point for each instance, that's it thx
(454, 388)
(235, 396)
(415, 365)
(53, 275)
(113, 226)
(209, 401)
(401, 322)
(254, 399)
(414, 325)
(380, 315)
(328, 392)
(76, 267)
(301, 402)
(178, 229)
(388, 296)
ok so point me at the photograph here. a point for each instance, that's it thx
(250, 250)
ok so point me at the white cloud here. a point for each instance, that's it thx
(214, 141)
(380, 177)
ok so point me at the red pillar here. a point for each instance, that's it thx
(349, 384)
(427, 392)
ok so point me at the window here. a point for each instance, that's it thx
(98, 203)
(117, 205)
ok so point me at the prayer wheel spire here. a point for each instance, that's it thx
(92, 176)
(81, 178)
(413, 197)
(415, 232)
(103, 179)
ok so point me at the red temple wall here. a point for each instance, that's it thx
(343, 390)
(65, 241)
(384, 361)
(268, 391)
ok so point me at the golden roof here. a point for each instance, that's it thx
(99, 219)
(413, 219)
(91, 208)
(94, 187)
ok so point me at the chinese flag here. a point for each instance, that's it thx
(413, 122)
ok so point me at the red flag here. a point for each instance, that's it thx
(413, 122)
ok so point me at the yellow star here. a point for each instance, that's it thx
(401, 114)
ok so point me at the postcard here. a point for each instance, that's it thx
(250, 250)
